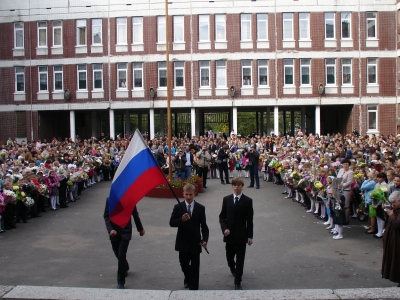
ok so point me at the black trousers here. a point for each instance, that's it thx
(190, 264)
(223, 168)
(202, 172)
(120, 247)
(238, 250)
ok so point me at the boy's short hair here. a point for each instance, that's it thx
(237, 181)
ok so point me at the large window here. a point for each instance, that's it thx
(330, 66)
(42, 34)
(263, 72)
(246, 72)
(245, 27)
(287, 26)
(372, 117)
(372, 71)
(204, 73)
(178, 29)
(220, 73)
(161, 38)
(138, 75)
(81, 32)
(162, 74)
(43, 79)
(137, 30)
(289, 71)
(262, 27)
(57, 34)
(304, 26)
(179, 68)
(121, 31)
(204, 28)
(371, 25)
(97, 76)
(19, 79)
(346, 25)
(122, 73)
(329, 25)
(19, 35)
(58, 78)
(346, 71)
(220, 28)
(305, 71)
(96, 32)
(82, 77)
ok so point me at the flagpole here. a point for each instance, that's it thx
(169, 143)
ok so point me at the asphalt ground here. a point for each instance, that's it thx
(291, 250)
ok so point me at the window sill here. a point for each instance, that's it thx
(43, 95)
(161, 47)
(348, 43)
(306, 90)
(122, 93)
(81, 49)
(58, 95)
(121, 48)
(289, 90)
(82, 94)
(57, 50)
(289, 44)
(19, 96)
(42, 51)
(372, 89)
(221, 44)
(246, 44)
(96, 48)
(137, 47)
(262, 44)
(221, 91)
(330, 43)
(162, 92)
(204, 92)
(138, 93)
(264, 90)
(247, 91)
(176, 46)
(204, 45)
(372, 43)
(97, 94)
(347, 89)
(305, 43)
(18, 52)
(333, 89)
(179, 92)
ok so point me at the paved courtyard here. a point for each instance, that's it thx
(291, 250)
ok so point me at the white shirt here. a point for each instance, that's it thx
(238, 196)
(191, 207)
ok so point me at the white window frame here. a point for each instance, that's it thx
(137, 30)
(82, 69)
(122, 31)
(329, 64)
(97, 69)
(372, 63)
(81, 32)
(18, 31)
(246, 69)
(304, 26)
(204, 65)
(347, 63)
(43, 71)
(220, 74)
(245, 27)
(262, 64)
(262, 21)
(345, 17)
(220, 28)
(57, 28)
(42, 28)
(374, 19)
(122, 67)
(287, 22)
(19, 71)
(373, 108)
(179, 66)
(55, 72)
(179, 29)
(325, 22)
(137, 69)
(161, 25)
(305, 63)
(287, 65)
(162, 70)
(97, 27)
(204, 23)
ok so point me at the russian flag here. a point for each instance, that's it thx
(136, 175)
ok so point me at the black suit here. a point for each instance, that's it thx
(120, 242)
(238, 218)
(188, 240)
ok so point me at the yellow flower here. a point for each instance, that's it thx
(15, 187)
(318, 185)
(23, 194)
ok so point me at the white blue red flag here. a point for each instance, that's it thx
(136, 175)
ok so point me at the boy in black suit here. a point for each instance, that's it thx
(236, 220)
(189, 238)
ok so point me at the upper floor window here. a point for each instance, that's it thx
(372, 74)
(263, 72)
(162, 74)
(346, 71)
(220, 28)
(19, 79)
(178, 29)
(346, 25)
(80, 32)
(371, 25)
(372, 117)
(122, 73)
(221, 74)
(179, 67)
(137, 75)
(42, 34)
(19, 35)
(121, 31)
(97, 76)
(305, 71)
(58, 78)
(304, 26)
(262, 27)
(245, 27)
(204, 28)
(57, 34)
(161, 30)
(330, 65)
(204, 73)
(43, 78)
(82, 77)
(329, 25)
(97, 32)
(246, 72)
(137, 30)
(288, 70)
(288, 26)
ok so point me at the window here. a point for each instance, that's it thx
(263, 72)
(137, 30)
(372, 71)
(330, 71)
(178, 29)
(96, 31)
(19, 35)
(262, 27)
(288, 26)
(221, 74)
(82, 77)
(371, 25)
(179, 67)
(43, 78)
(346, 71)
(121, 31)
(42, 34)
(204, 73)
(204, 28)
(245, 27)
(58, 78)
(121, 76)
(305, 71)
(19, 79)
(161, 29)
(288, 69)
(220, 28)
(137, 75)
(372, 117)
(162, 74)
(97, 76)
(57, 33)
(346, 25)
(80, 32)
(304, 26)
(246, 72)
(329, 25)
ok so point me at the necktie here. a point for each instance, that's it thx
(189, 211)
(236, 200)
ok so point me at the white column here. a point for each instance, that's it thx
(151, 116)
(268, 121)
(112, 123)
(192, 122)
(94, 124)
(72, 124)
(317, 119)
(197, 120)
(276, 120)
(127, 122)
(234, 120)
(162, 132)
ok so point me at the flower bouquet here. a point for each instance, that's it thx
(378, 195)
(28, 201)
(358, 176)
(44, 190)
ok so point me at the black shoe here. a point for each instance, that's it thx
(223, 183)
(185, 284)
(120, 286)
(257, 187)
(204, 187)
(250, 186)
(233, 272)
(238, 287)
(43, 210)
(228, 182)
(284, 193)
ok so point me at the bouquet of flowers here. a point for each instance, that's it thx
(62, 172)
(3, 154)
(45, 155)
(28, 201)
(10, 194)
(44, 190)
(16, 178)
(273, 163)
(361, 164)
(358, 176)
(378, 195)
